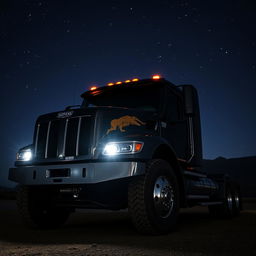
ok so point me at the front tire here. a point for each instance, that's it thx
(37, 209)
(153, 199)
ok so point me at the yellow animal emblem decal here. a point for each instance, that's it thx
(124, 121)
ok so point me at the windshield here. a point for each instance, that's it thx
(144, 98)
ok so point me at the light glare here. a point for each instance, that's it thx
(127, 147)
(111, 149)
(27, 155)
(24, 155)
(155, 77)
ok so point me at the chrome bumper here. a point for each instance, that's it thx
(85, 173)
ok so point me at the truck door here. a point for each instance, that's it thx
(174, 125)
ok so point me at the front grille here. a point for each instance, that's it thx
(63, 137)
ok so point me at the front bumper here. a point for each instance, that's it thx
(82, 173)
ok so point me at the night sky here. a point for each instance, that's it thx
(52, 51)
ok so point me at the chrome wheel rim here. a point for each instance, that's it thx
(237, 201)
(163, 197)
(230, 201)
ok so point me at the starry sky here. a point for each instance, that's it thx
(52, 51)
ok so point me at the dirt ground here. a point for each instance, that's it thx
(105, 233)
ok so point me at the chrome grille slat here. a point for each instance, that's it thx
(65, 137)
(47, 139)
(36, 141)
(78, 136)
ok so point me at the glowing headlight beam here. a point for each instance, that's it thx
(111, 149)
(126, 147)
(27, 155)
(24, 155)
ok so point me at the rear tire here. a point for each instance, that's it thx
(237, 201)
(226, 209)
(153, 199)
(38, 211)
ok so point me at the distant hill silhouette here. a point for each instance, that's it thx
(242, 170)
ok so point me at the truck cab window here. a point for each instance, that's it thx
(142, 98)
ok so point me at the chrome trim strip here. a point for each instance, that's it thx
(56, 118)
(78, 136)
(47, 140)
(195, 174)
(37, 134)
(210, 203)
(197, 197)
(191, 136)
(65, 136)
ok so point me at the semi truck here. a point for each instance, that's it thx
(134, 144)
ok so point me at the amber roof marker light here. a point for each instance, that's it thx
(156, 77)
(119, 82)
(135, 79)
(110, 84)
(93, 88)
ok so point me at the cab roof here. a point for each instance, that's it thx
(159, 82)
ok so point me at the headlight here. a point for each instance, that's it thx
(117, 148)
(24, 155)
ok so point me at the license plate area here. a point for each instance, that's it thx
(58, 173)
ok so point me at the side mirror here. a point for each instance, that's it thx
(189, 93)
